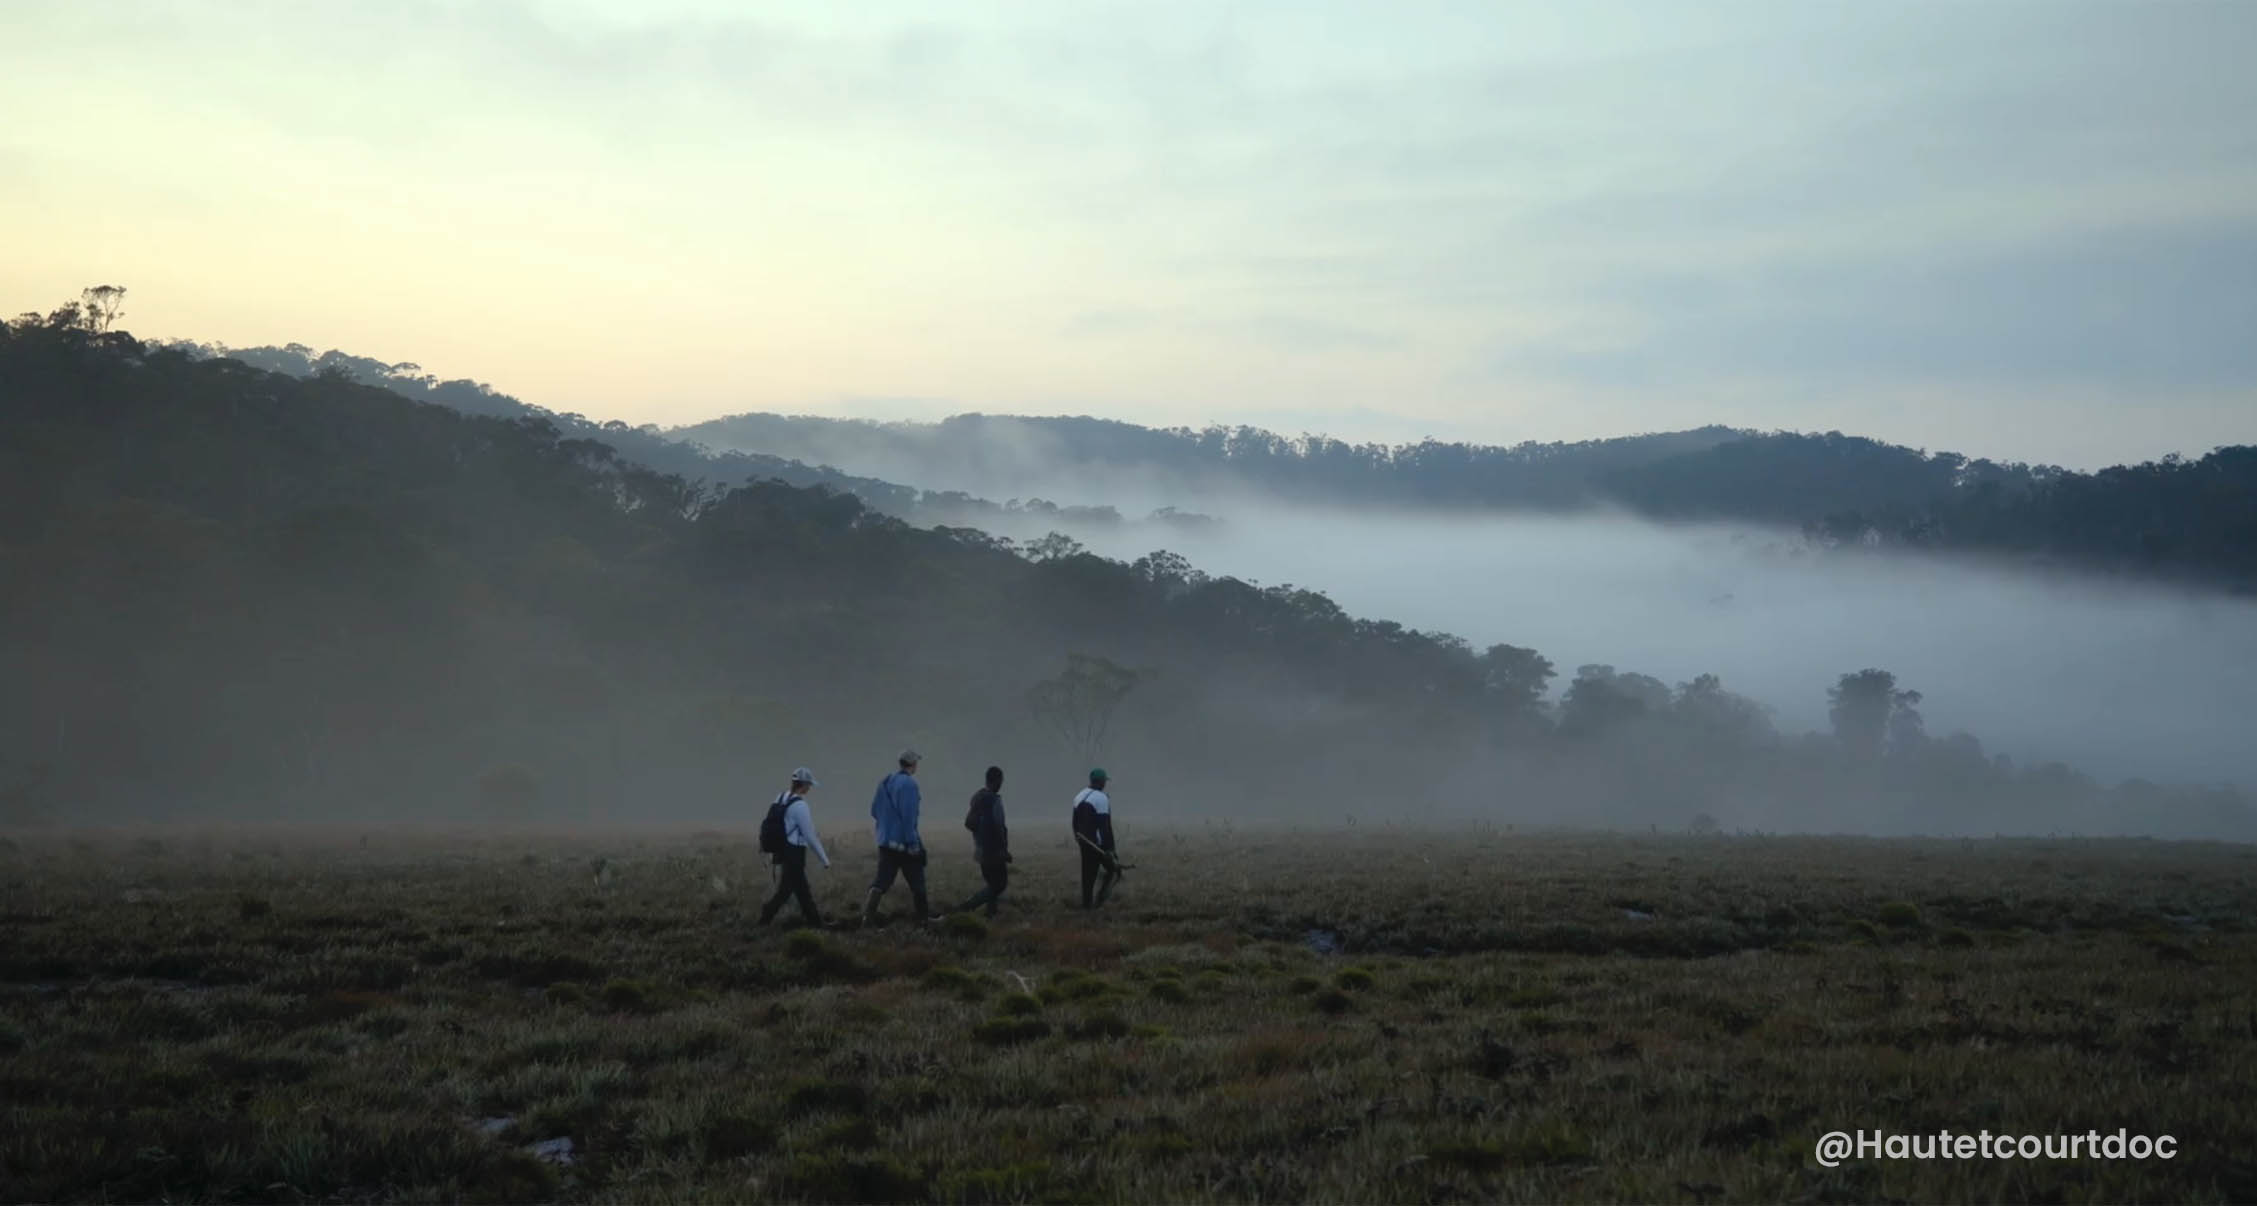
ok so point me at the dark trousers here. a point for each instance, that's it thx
(912, 868)
(998, 876)
(1091, 863)
(793, 883)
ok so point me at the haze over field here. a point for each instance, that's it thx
(2120, 675)
(2119, 680)
(1532, 231)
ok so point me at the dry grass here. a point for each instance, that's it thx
(260, 1015)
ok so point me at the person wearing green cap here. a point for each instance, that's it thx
(1093, 833)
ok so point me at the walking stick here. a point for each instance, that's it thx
(1112, 861)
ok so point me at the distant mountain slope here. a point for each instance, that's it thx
(1009, 448)
(226, 591)
(2182, 520)
(2191, 520)
(649, 446)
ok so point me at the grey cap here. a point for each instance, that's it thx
(804, 775)
(910, 758)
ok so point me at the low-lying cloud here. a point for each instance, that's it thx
(2117, 680)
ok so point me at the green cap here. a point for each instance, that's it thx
(1098, 775)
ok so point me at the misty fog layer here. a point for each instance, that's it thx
(2115, 677)
(2117, 680)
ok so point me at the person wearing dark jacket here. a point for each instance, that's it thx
(991, 843)
(1093, 832)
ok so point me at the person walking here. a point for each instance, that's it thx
(991, 843)
(1093, 832)
(901, 850)
(794, 837)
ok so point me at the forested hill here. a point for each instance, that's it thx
(653, 449)
(2184, 520)
(226, 592)
(2189, 520)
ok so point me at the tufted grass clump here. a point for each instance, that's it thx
(827, 1096)
(1010, 1031)
(964, 927)
(1101, 1025)
(1899, 914)
(1172, 992)
(1032, 1181)
(955, 981)
(629, 996)
(834, 1177)
(1076, 985)
(822, 960)
(849, 1134)
(729, 1134)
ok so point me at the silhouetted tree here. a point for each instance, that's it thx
(1720, 715)
(101, 307)
(1055, 546)
(1080, 702)
(1869, 714)
(1515, 678)
(1600, 700)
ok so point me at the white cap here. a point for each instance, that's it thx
(909, 758)
(804, 775)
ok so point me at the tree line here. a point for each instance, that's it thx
(2178, 518)
(2181, 519)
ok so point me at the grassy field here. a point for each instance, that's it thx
(267, 1015)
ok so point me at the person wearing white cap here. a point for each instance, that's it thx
(798, 837)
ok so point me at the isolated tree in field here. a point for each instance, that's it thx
(1079, 704)
(1869, 713)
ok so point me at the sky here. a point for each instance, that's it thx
(2026, 230)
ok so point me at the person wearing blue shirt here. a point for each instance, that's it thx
(901, 850)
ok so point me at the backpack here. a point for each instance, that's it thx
(772, 839)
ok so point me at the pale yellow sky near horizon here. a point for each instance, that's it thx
(1455, 219)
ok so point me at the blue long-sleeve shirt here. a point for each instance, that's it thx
(894, 808)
